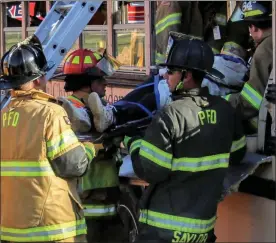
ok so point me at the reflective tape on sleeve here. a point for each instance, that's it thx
(135, 145)
(171, 19)
(201, 163)
(238, 144)
(171, 222)
(45, 233)
(252, 96)
(159, 58)
(26, 168)
(89, 152)
(155, 155)
(93, 210)
(60, 143)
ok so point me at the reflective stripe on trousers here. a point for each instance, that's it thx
(99, 210)
(171, 222)
(45, 233)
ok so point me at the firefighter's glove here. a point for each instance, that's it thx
(92, 150)
(271, 146)
(271, 93)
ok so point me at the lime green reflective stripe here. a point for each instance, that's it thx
(227, 97)
(89, 152)
(155, 154)
(215, 51)
(171, 222)
(26, 168)
(253, 13)
(45, 233)
(159, 58)
(201, 163)
(252, 96)
(134, 145)
(60, 143)
(93, 210)
(171, 19)
(236, 145)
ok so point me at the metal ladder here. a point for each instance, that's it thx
(61, 28)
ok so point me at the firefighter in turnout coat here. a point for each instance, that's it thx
(185, 152)
(41, 157)
(248, 101)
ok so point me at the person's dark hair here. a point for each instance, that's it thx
(262, 24)
(197, 76)
(76, 82)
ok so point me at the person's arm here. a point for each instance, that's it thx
(169, 17)
(68, 157)
(152, 155)
(238, 148)
(248, 101)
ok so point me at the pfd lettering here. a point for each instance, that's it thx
(207, 116)
(10, 118)
(189, 237)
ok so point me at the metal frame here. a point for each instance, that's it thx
(273, 127)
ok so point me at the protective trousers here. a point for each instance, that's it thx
(149, 234)
(76, 239)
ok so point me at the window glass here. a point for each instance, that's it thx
(128, 12)
(130, 47)
(13, 14)
(37, 12)
(94, 39)
(12, 38)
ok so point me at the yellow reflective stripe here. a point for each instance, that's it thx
(253, 13)
(96, 210)
(44, 233)
(134, 145)
(227, 97)
(171, 222)
(87, 60)
(201, 163)
(171, 19)
(26, 168)
(98, 56)
(60, 143)
(90, 152)
(238, 144)
(252, 96)
(76, 60)
(155, 154)
(159, 58)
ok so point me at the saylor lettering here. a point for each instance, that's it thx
(10, 118)
(189, 237)
(207, 116)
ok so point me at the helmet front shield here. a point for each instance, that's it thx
(108, 64)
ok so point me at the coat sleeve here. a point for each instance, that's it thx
(248, 101)
(238, 148)
(168, 18)
(68, 157)
(152, 155)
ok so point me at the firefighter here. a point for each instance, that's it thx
(185, 152)
(41, 157)
(86, 81)
(175, 16)
(248, 101)
(86, 107)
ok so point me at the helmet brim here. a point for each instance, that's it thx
(214, 73)
(11, 82)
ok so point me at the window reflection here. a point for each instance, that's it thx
(12, 38)
(94, 39)
(130, 47)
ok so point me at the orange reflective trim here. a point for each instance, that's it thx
(77, 103)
